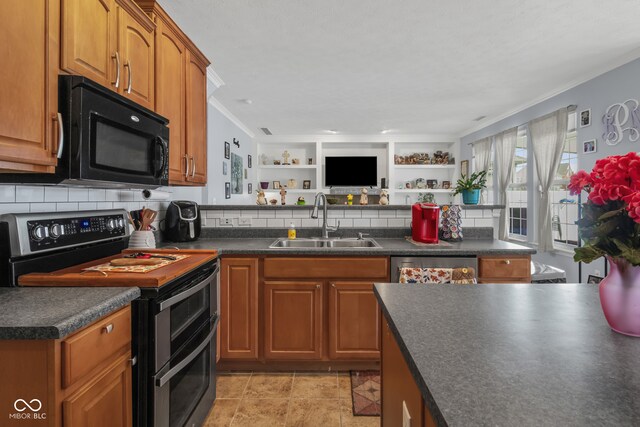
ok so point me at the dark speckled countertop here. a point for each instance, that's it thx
(515, 355)
(390, 247)
(53, 313)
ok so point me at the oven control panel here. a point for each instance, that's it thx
(52, 233)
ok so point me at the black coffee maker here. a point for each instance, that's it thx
(182, 221)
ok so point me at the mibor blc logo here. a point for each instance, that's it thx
(28, 410)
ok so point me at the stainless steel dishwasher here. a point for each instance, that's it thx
(430, 262)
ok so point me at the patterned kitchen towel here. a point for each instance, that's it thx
(425, 275)
(464, 276)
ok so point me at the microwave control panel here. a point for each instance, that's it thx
(46, 234)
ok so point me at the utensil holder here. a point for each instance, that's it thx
(142, 239)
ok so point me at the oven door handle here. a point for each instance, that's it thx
(184, 362)
(187, 293)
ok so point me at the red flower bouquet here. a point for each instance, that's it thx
(610, 223)
(610, 227)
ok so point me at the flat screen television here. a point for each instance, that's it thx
(351, 171)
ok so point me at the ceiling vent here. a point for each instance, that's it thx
(266, 131)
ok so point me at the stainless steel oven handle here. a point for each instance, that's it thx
(184, 362)
(186, 294)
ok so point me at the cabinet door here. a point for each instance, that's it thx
(137, 56)
(398, 386)
(170, 96)
(28, 84)
(106, 402)
(239, 309)
(196, 95)
(504, 269)
(89, 40)
(354, 321)
(293, 320)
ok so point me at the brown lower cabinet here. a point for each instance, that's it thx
(504, 269)
(293, 320)
(319, 311)
(354, 322)
(401, 396)
(81, 380)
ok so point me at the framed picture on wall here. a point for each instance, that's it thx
(276, 185)
(585, 118)
(594, 279)
(249, 161)
(589, 147)
(464, 168)
(227, 190)
(250, 188)
(306, 184)
(227, 150)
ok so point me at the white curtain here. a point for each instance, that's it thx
(505, 145)
(547, 139)
(482, 154)
(482, 160)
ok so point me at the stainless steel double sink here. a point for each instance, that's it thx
(324, 243)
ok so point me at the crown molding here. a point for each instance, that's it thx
(229, 115)
(625, 59)
(214, 78)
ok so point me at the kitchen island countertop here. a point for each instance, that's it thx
(390, 247)
(54, 313)
(510, 355)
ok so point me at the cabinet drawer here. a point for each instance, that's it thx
(319, 268)
(504, 267)
(84, 351)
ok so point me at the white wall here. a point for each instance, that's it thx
(220, 129)
(615, 86)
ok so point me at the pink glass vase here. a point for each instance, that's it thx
(620, 297)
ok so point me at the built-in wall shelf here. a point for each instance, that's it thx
(424, 166)
(424, 190)
(287, 166)
(272, 148)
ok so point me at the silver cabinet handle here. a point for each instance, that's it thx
(506, 261)
(133, 360)
(186, 166)
(193, 167)
(108, 329)
(333, 285)
(116, 56)
(317, 286)
(128, 66)
(60, 136)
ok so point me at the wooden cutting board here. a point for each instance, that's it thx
(76, 276)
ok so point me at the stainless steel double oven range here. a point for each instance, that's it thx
(174, 328)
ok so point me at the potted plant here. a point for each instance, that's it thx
(610, 227)
(470, 187)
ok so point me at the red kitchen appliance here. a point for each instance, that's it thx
(424, 222)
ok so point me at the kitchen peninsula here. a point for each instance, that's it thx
(504, 355)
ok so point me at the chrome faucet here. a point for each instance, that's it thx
(314, 214)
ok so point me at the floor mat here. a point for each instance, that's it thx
(365, 393)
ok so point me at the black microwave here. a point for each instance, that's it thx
(107, 140)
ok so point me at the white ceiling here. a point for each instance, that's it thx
(413, 66)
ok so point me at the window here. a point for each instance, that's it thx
(564, 207)
(518, 221)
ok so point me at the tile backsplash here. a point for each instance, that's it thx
(281, 218)
(21, 199)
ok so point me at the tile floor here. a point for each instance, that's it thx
(285, 399)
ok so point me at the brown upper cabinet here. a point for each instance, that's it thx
(112, 43)
(29, 135)
(180, 96)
